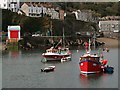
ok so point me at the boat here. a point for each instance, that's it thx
(91, 63)
(48, 69)
(66, 59)
(59, 54)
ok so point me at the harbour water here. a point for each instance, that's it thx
(21, 69)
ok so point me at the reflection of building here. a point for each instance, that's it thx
(12, 5)
(109, 24)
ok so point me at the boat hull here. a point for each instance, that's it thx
(89, 67)
(55, 57)
(48, 69)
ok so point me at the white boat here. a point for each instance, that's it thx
(56, 54)
(48, 69)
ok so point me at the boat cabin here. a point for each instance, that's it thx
(51, 50)
(93, 58)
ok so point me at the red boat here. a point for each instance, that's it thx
(91, 63)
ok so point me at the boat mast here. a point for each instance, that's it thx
(64, 26)
(63, 37)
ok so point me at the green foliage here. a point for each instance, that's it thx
(13, 46)
(28, 24)
(102, 8)
(42, 24)
(31, 24)
(45, 23)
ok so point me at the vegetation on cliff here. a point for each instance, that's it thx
(102, 8)
(43, 24)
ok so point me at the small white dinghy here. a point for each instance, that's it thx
(65, 59)
(48, 69)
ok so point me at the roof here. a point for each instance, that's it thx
(38, 4)
(13, 27)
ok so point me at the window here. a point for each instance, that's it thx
(116, 27)
(9, 5)
(4, 5)
(31, 10)
(89, 58)
(94, 64)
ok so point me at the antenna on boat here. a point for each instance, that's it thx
(63, 38)
(89, 49)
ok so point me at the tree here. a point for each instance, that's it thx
(46, 25)
(31, 24)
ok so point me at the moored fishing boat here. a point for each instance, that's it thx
(56, 54)
(91, 63)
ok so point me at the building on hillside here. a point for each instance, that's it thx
(12, 5)
(39, 10)
(110, 24)
(3, 4)
(85, 15)
(53, 13)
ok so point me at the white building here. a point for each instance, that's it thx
(110, 24)
(3, 4)
(54, 14)
(12, 5)
(85, 15)
(39, 10)
(33, 10)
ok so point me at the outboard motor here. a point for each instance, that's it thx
(109, 69)
(42, 70)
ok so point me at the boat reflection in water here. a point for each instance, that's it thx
(88, 80)
(91, 80)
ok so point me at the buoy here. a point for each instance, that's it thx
(104, 62)
(107, 49)
(101, 55)
(77, 50)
